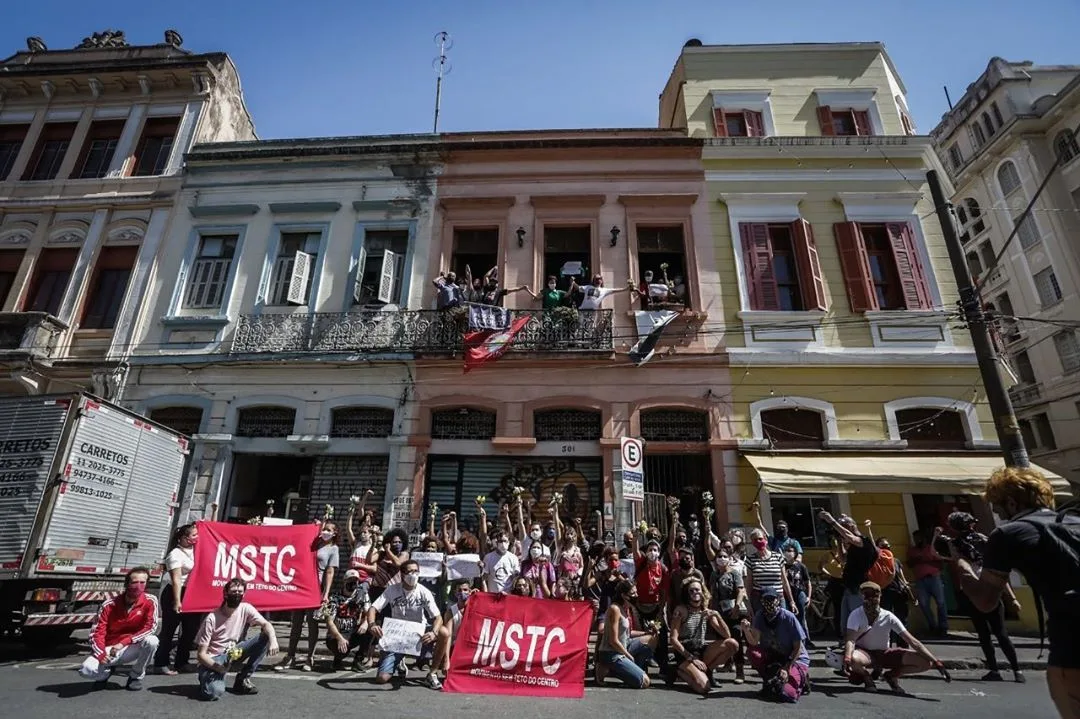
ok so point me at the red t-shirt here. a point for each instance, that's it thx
(922, 562)
(651, 579)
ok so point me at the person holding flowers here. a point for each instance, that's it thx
(221, 644)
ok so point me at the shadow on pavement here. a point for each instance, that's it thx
(362, 684)
(187, 691)
(836, 690)
(74, 690)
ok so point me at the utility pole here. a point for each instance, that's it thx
(442, 66)
(1008, 431)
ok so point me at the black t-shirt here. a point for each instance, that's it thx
(1016, 545)
(797, 576)
(859, 561)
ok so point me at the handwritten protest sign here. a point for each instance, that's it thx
(626, 566)
(462, 566)
(430, 564)
(401, 637)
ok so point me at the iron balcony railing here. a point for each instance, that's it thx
(1025, 394)
(417, 331)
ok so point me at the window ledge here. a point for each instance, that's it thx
(783, 329)
(866, 444)
(901, 315)
(910, 329)
(93, 333)
(216, 321)
(782, 315)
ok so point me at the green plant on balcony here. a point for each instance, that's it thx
(568, 316)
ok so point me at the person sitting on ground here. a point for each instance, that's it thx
(221, 642)
(691, 624)
(123, 633)
(344, 615)
(460, 591)
(778, 650)
(625, 650)
(410, 602)
(867, 650)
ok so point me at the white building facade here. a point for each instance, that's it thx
(1013, 129)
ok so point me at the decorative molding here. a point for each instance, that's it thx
(97, 87)
(48, 89)
(755, 100)
(296, 208)
(972, 429)
(555, 202)
(917, 176)
(783, 330)
(477, 203)
(669, 200)
(127, 234)
(826, 409)
(239, 210)
(403, 206)
(852, 357)
(910, 329)
(66, 238)
(15, 237)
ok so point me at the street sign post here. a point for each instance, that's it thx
(633, 469)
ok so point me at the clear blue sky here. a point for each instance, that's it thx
(322, 67)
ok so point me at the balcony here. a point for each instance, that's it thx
(34, 334)
(415, 331)
(1025, 394)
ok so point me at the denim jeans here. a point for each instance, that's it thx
(388, 662)
(254, 649)
(850, 602)
(802, 601)
(631, 673)
(933, 587)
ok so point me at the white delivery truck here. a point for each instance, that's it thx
(87, 491)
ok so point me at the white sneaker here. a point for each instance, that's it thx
(433, 681)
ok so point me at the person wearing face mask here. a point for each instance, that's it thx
(782, 541)
(1042, 542)
(222, 633)
(551, 297)
(394, 553)
(460, 591)
(738, 541)
(343, 615)
(691, 623)
(411, 602)
(653, 582)
(327, 559)
(625, 649)
(860, 555)
(179, 562)
(684, 569)
(866, 648)
(777, 650)
(729, 599)
(765, 572)
(798, 577)
(539, 570)
(500, 565)
(627, 550)
(123, 634)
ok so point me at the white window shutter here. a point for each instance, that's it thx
(387, 276)
(299, 281)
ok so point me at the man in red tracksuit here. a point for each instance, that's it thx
(123, 633)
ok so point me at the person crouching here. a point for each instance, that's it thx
(123, 633)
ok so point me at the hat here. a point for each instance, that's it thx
(352, 574)
(652, 542)
(869, 585)
(770, 592)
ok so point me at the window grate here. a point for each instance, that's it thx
(462, 423)
(359, 422)
(265, 422)
(674, 425)
(185, 420)
(567, 425)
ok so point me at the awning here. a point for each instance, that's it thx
(847, 473)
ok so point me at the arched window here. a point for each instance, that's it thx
(1008, 179)
(793, 428)
(674, 425)
(361, 422)
(265, 422)
(931, 428)
(1065, 146)
(971, 220)
(462, 423)
(185, 420)
(567, 425)
(988, 124)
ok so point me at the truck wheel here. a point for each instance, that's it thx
(46, 637)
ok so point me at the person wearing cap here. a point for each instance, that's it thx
(653, 581)
(345, 630)
(867, 650)
(778, 649)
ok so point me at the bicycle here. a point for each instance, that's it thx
(820, 611)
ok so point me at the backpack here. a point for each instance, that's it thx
(883, 569)
(1061, 539)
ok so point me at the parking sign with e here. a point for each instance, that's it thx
(633, 474)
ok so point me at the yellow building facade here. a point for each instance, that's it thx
(854, 385)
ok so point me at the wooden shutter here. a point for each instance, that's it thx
(754, 125)
(908, 267)
(720, 122)
(856, 267)
(824, 116)
(387, 275)
(757, 251)
(811, 281)
(862, 122)
(298, 282)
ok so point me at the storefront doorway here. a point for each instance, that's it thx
(684, 476)
(258, 479)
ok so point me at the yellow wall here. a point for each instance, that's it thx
(791, 75)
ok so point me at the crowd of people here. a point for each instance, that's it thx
(693, 603)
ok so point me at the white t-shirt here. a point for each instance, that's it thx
(182, 558)
(877, 638)
(499, 571)
(594, 296)
(412, 605)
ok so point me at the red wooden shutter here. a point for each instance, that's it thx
(720, 122)
(856, 267)
(754, 125)
(824, 116)
(862, 122)
(811, 281)
(757, 251)
(908, 266)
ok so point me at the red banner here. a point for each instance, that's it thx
(278, 564)
(520, 645)
(489, 345)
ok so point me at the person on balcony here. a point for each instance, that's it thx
(595, 293)
(551, 297)
(448, 292)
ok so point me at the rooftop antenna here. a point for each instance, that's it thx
(947, 98)
(443, 67)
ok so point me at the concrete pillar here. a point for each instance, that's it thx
(22, 277)
(28, 145)
(78, 139)
(184, 135)
(136, 300)
(125, 147)
(80, 274)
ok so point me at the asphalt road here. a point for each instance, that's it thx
(50, 688)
